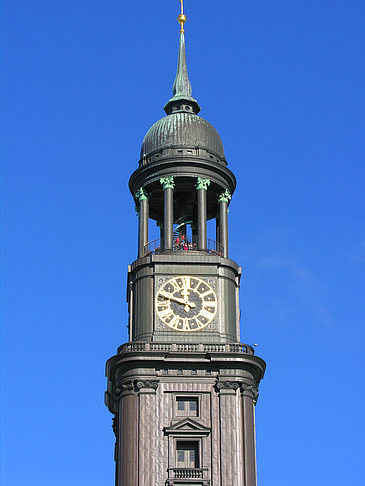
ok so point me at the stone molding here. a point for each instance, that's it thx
(167, 182)
(173, 483)
(202, 184)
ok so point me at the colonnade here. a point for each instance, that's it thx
(167, 226)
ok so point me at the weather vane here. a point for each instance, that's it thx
(182, 17)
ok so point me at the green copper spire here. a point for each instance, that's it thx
(182, 87)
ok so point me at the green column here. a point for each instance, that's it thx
(168, 213)
(143, 215)
(223, 200)
(202, 187)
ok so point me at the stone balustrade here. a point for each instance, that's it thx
(154, 347)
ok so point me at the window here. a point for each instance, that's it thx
(187, 455)
(187, 406)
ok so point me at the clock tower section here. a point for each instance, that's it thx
(183, 389)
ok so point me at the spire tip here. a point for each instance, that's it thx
(182, 17)
(182, 87)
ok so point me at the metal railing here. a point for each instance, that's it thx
(188, 473)
(154, 347)
(186, 243)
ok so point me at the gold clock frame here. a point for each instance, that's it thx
(183, 285)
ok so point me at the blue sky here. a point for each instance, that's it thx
(282, 82)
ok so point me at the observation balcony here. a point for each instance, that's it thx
(142, 347)
(188, 473)
(184, 243)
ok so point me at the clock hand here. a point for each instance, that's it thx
(185, 293)
(178, 300)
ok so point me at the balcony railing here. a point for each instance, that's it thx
(142, 347)
(186, 243)
(188, 473)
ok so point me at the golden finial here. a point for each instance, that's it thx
(182, 17)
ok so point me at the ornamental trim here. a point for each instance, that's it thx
(147, 384)
(227, 385)
(250, 391)
(225, 196)
(141, 194)
(167, 182)
(122, 387)
(202, 184)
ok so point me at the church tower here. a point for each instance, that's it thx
(183, 389)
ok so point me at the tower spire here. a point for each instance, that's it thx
(182, 88)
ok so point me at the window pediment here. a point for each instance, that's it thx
(188, 426)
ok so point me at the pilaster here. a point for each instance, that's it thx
(249, 396)
(231, 436)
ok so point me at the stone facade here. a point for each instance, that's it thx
(145, 391)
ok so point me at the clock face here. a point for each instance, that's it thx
(186, 303)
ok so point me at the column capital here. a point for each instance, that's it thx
(167, 182)
(225, 196)
(202, 184)
(147, 384)
(227, 385)
(126, 386)
(141, 194)
(249, 390)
